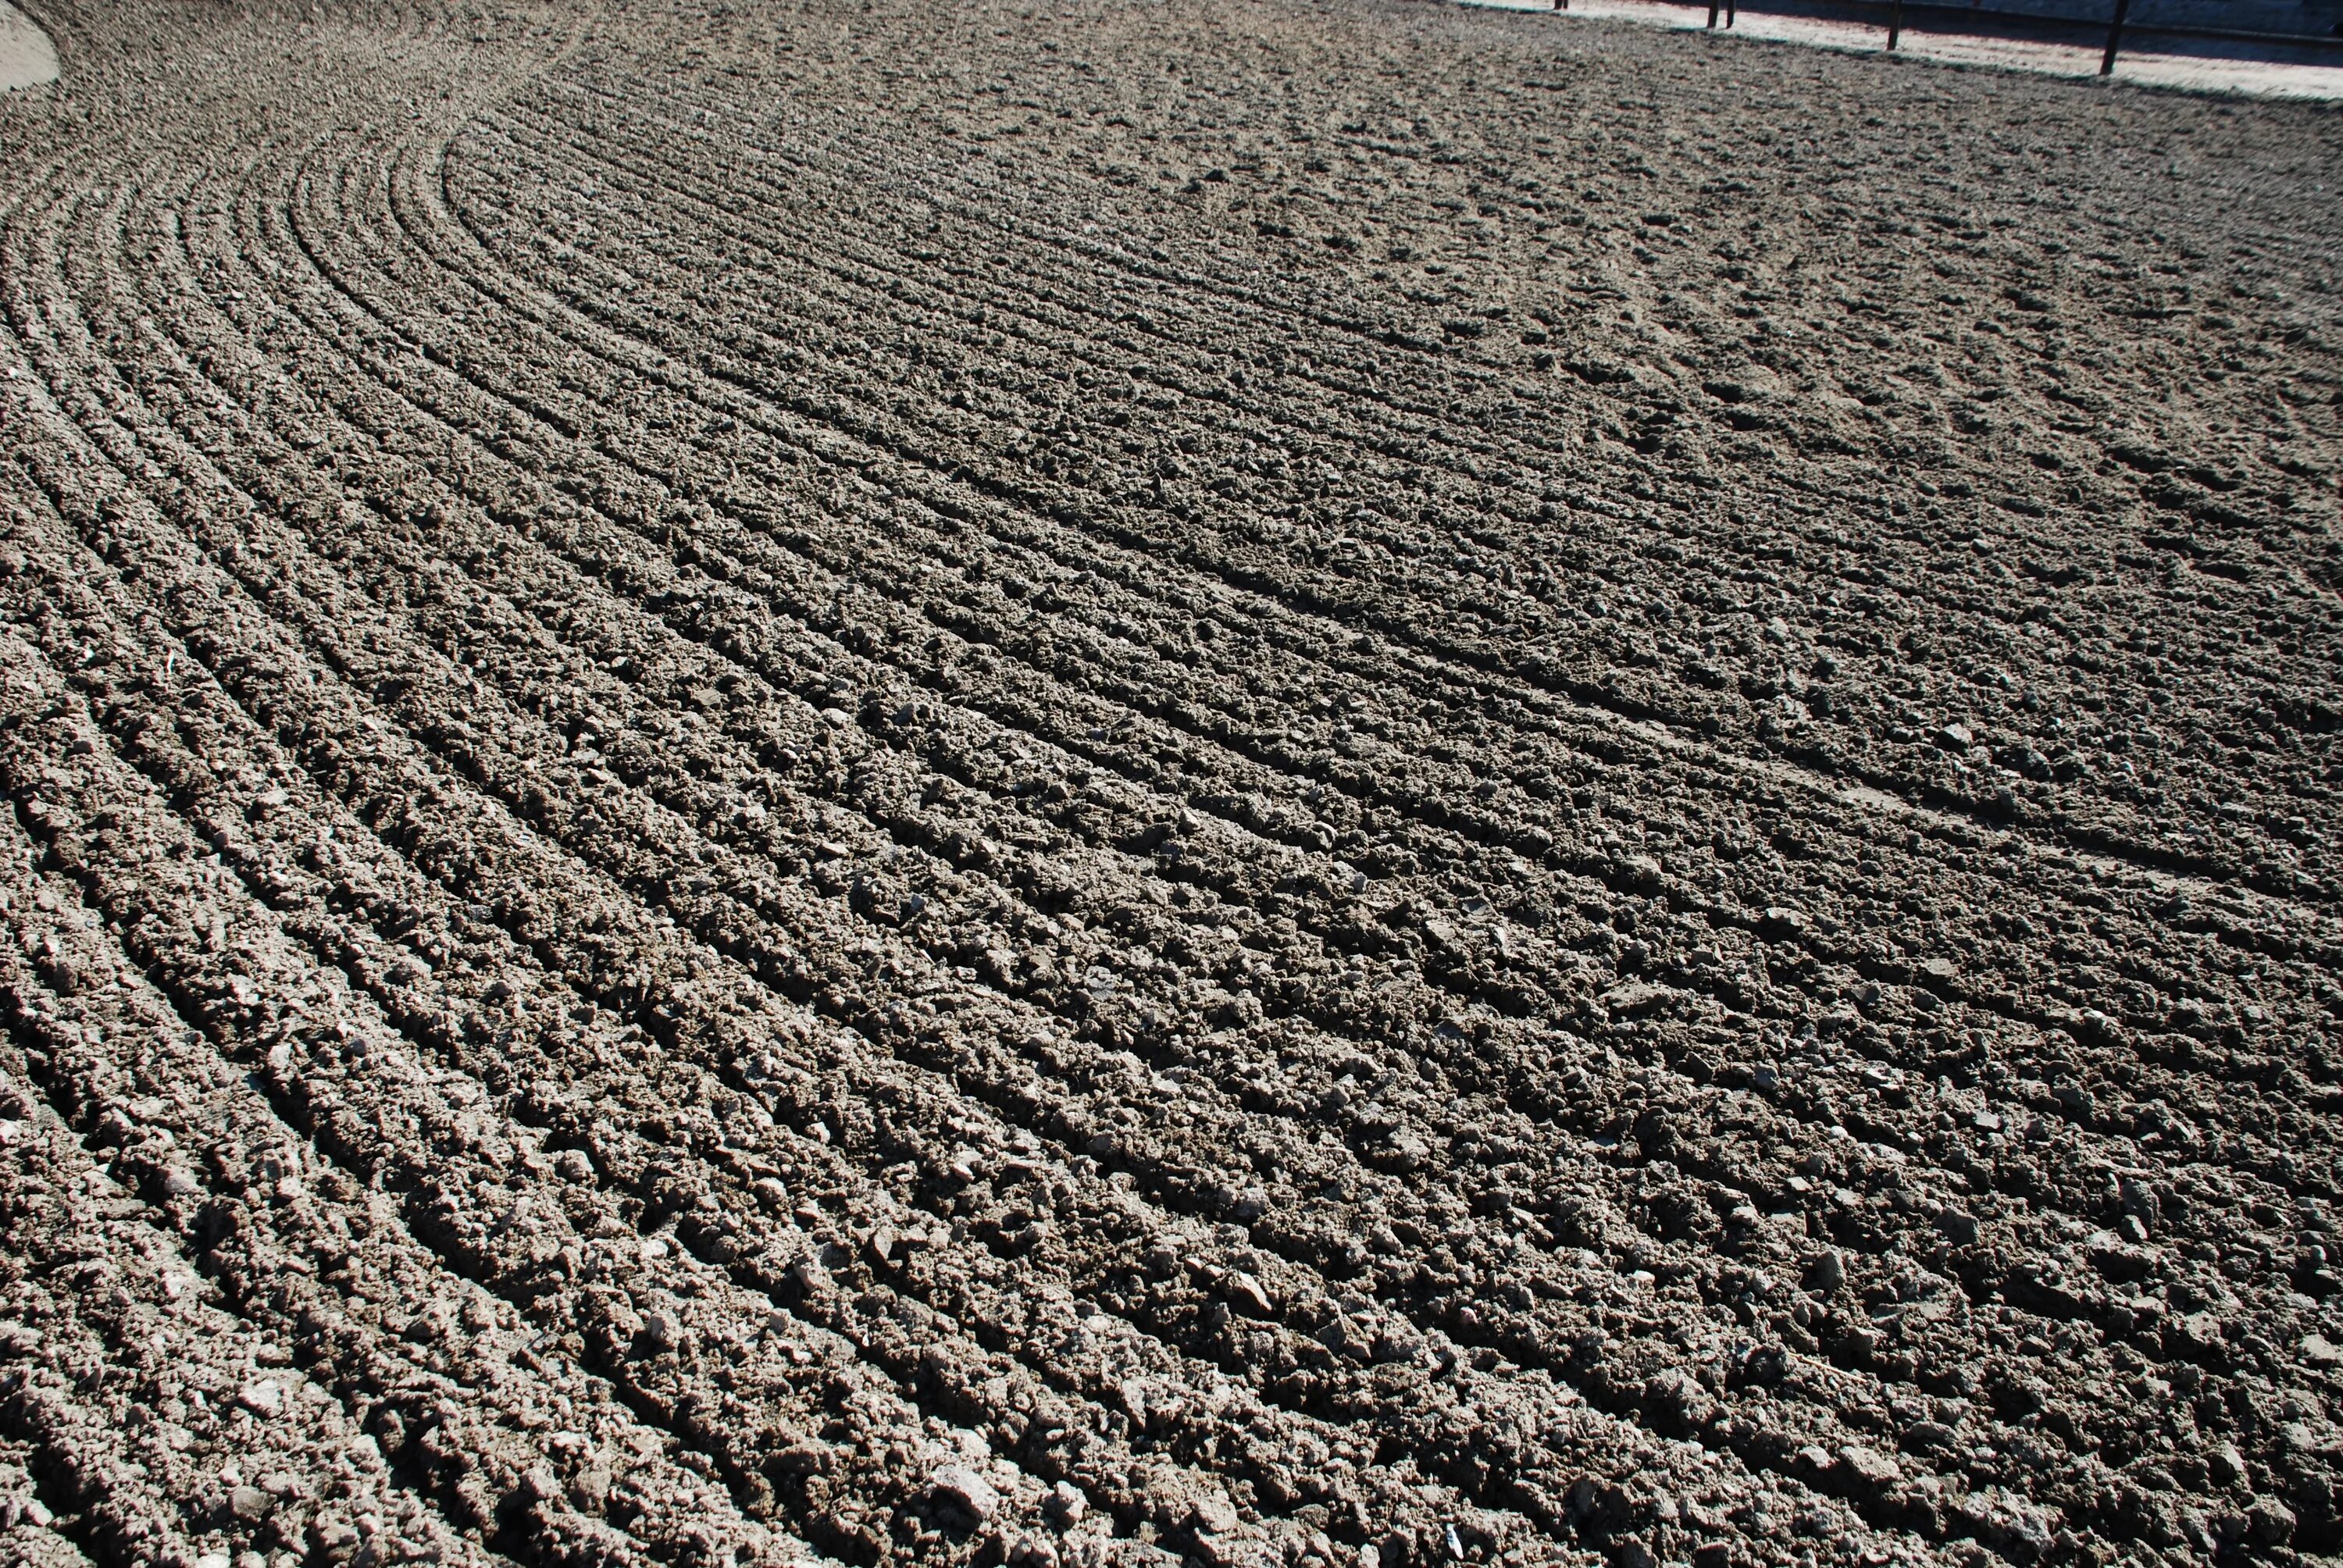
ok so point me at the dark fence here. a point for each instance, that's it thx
(2117, 20)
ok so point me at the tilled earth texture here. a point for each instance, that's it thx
(1090, 785)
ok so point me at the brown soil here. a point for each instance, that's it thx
(1077, 785)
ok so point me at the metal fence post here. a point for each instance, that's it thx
(2115, 38)
(1896, 25)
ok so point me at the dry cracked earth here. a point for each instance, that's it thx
(1080, 785)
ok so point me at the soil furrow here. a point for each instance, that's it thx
(783, 1267)
(1905, 784)
(1467, 1325)
(1308, 783)
(421, 1383)
(122, 1363)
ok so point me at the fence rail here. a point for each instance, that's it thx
(2119, 25)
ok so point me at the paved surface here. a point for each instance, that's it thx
(2203, 66)
(27, 58)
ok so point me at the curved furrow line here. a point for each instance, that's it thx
(489, 659)
(814, 771)
(1888, 972)
(687, 1489)
(471, 658)
(50, 1198)
(343, 1076)
(673, 179)
(1600, 699)
(460, 1464)
(779, 1272)
(1247, 263)
(219, 1170)
(222, 1171)
(135, 1394)
(622, 1344)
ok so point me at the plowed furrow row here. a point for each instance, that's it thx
(1318, 699)
(1202, 787)
(456, 1392)
(1436, 594)
(592, 719)
(660, 1185)
(1744, 917)
(522, 1232)
(783, 1269)
(123, 1364)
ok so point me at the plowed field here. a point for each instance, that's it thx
(1083, 784)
